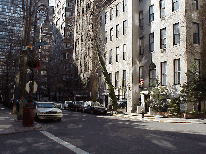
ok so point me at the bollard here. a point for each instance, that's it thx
(111, 114)
(142, 114)
(28, 115)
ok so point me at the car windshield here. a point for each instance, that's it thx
(45, 105)
(95, 104)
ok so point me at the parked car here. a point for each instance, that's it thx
(75, 106)
(86, 107)
(66, 104)
(58, 105)
(97, 108)
(79, 106)
(72, 106)
(47, 110)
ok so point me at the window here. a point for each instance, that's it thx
(175, 5)
(141, 18)
(117, 31)
(117, 54)
(124, 79)
(69, 5)
(105, 36)
(111, 34)
(105, 17)
(162, 8)
(82, 10)
(141, 75)
(124, 5)
(151, 42)
(152, 77)
(141, 45)
(66, 45)
(151, 13)
(163, 38)
(116, 79)
(110, 76)
(111, 13)
(176, 34)
(110, 56)
(124, 51)
(196, 34)
(124, 27)
(163, 73)
(195, 3)
(177, 71)
(117, 10)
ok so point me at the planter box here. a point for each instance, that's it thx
(121, 110)
(194, 116)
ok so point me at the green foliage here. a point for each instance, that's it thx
(158, 97)
(174, 105)
(194, 90)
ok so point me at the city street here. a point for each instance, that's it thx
(94, 134)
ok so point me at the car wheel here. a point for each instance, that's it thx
(65, 108)
(59, 119)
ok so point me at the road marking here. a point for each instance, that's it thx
(164, 143)
(5, 126)
(66, 144)
(204, 144)
(4, 117)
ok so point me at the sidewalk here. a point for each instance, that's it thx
(157, 118)
(9, 123)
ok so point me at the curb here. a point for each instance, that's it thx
(154, 119)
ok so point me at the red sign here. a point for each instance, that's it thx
(141, 82)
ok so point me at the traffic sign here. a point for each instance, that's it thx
(40, 43)
(141, 82)
(27, 47)
(28, 87)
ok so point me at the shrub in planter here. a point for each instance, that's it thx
(174, 105)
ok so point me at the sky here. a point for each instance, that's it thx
(51, 2)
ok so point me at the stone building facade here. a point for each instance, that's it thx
(147, 40)
(122, 60)
(171, 33)
(63, 21)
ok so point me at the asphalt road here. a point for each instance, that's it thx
(93, 134)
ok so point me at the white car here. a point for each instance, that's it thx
(66, 104)
(47, 110)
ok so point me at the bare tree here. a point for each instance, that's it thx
(94, 41)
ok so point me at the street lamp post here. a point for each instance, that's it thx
(29, 9)
(34, 58)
